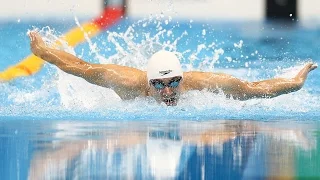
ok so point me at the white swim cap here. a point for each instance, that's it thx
(163, 64)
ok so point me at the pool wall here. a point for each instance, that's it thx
(220, 10)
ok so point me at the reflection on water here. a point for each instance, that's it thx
(226, 149)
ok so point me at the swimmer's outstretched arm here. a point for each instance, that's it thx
(106, 75)
(244, 90)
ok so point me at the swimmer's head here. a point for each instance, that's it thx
(165, 75)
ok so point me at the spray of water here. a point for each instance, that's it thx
(61, 92)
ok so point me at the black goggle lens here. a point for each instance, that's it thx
(158, 84)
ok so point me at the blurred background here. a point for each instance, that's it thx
(195, 9)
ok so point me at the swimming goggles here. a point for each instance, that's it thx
(159, 84)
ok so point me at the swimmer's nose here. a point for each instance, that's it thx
(167, 91)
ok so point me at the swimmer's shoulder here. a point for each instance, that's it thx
(191, 80)
(123, 77)
(198, 75)
(120, 68)
(197, 80)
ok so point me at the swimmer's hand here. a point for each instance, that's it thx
(37, 45)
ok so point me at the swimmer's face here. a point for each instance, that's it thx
(166, 90)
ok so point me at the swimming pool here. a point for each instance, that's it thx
(58, 126)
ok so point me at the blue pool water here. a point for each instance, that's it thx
(56, 126)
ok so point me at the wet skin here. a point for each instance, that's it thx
(166, 90)
(130, 83)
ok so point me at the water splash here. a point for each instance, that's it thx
(67, 96)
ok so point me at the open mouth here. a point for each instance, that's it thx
(170, 101)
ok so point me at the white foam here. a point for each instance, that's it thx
(76, 94)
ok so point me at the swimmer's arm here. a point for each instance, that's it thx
(243, 90)
(269, 88)
(110, 75)
(63, 60)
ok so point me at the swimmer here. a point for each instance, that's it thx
(164, 79)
